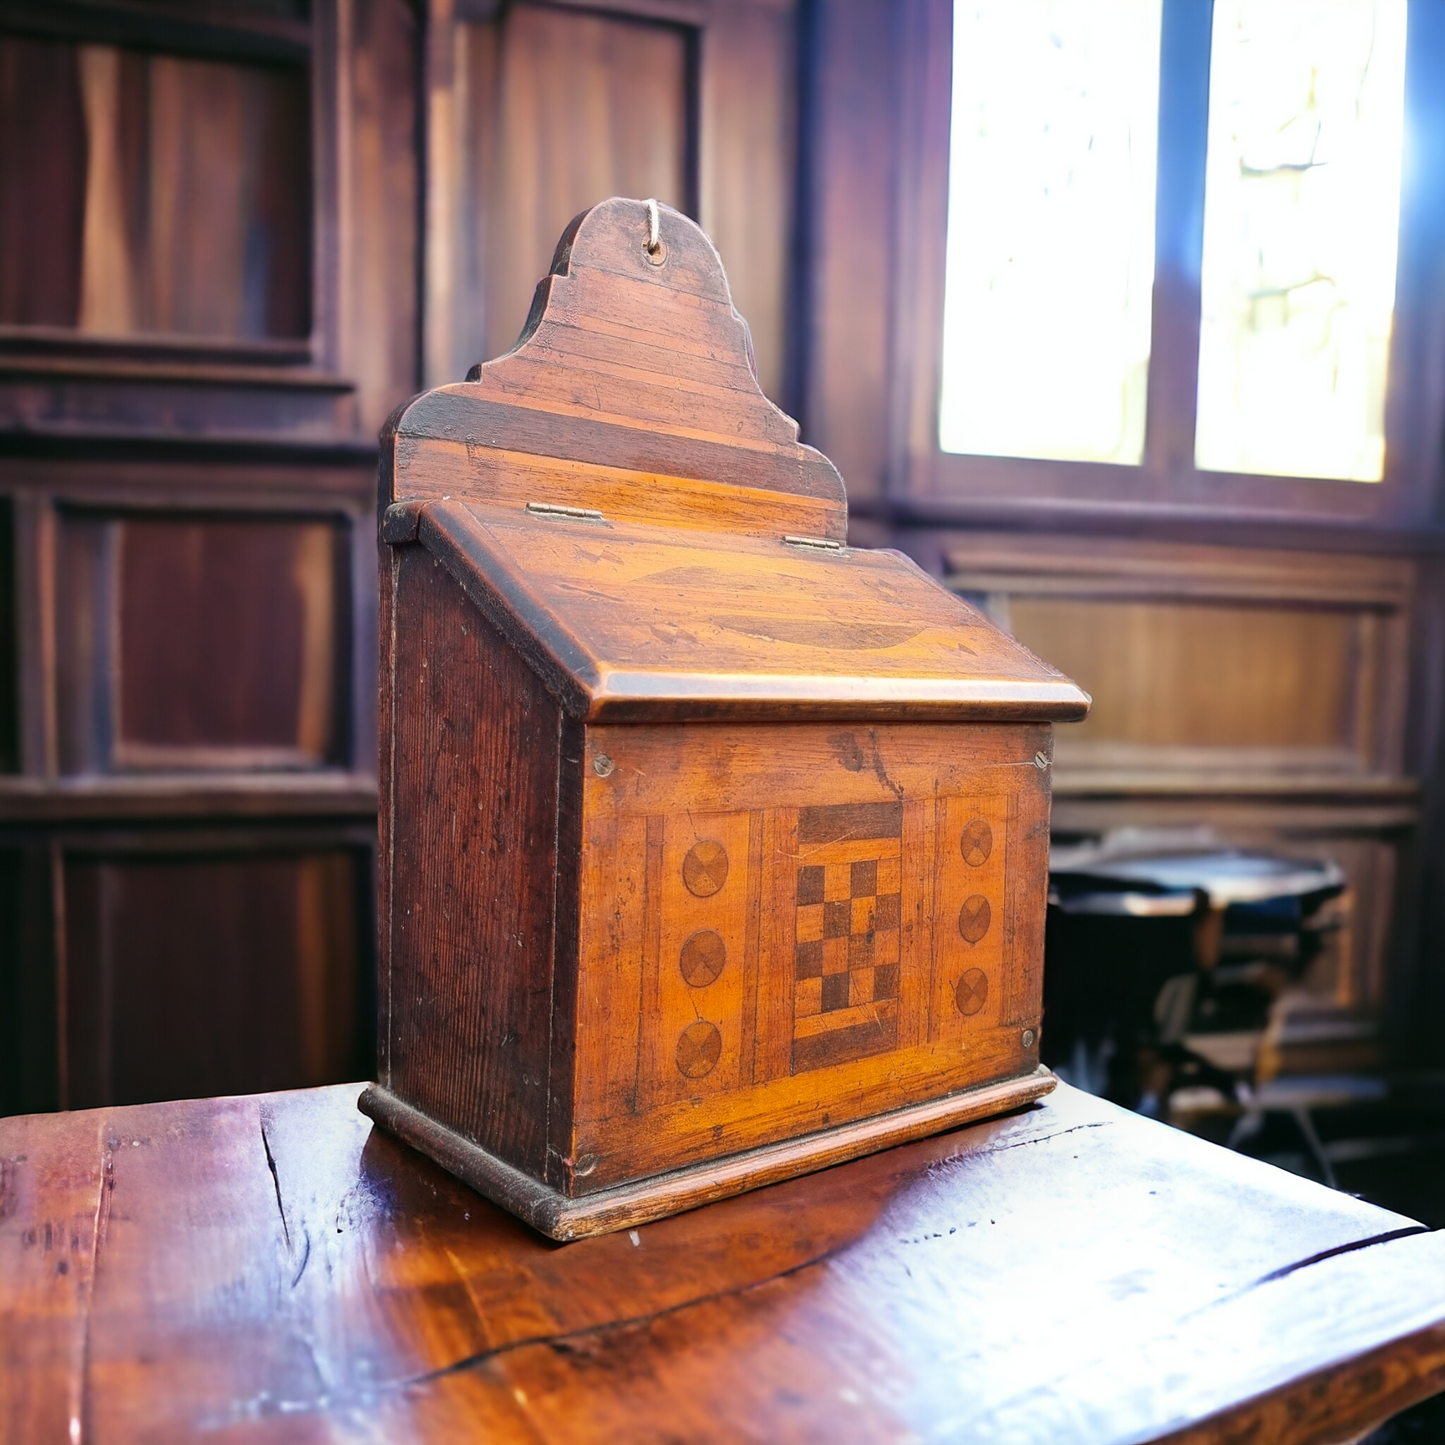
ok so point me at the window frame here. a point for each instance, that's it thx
(928, 484)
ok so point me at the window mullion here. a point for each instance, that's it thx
(1178, 238)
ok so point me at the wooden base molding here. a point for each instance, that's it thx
(629, 1205)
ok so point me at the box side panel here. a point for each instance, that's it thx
(786, 928)
(473, 839)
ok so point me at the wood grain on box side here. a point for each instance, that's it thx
(388, 564)
(718, 766)
(474, 830)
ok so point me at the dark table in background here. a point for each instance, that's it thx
(270, 1269)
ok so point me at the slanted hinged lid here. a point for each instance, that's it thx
(620, 498)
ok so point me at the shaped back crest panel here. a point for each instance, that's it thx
(639, 372)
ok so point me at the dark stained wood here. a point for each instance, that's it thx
(472, 786)
(852, 220)
(195, 796)
(368, 186)
(82, 399)
(559, 111)
(189, 643)
(30, 1047)
(535, 114)
(268, 30)
(229, 638)
(42, 182)
(193, 185)
(208, 305)
(9, 644)
(748, 157)
(272, 1269)
(274, 996)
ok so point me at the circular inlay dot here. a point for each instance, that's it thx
(971, 992)
(974, 918)
(976, 843)
(705, 869)
(702, 957)
(698, 1048)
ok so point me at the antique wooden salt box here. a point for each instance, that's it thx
(713, 851)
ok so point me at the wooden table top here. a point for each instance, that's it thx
(271, 1269)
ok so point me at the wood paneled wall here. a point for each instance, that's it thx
(541, 112)
(276, 1000)
(189, 828)
(1258, 692)
(208, 303)
(234, 237)
(175, 195)
(1260, 649)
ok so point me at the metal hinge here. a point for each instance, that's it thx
(573, 514)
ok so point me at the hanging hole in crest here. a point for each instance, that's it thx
(653, 248)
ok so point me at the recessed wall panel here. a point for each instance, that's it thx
(150, 193)
(192, 976)
(1201, 675)
(202, 642)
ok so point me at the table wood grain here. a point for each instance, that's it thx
(271, 1268)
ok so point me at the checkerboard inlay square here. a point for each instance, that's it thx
(846, 949)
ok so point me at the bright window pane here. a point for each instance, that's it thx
(1050, 228)
(1302, 203)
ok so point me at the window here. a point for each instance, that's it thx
(1050, 228)
(1078, 174)
(1301, 221)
